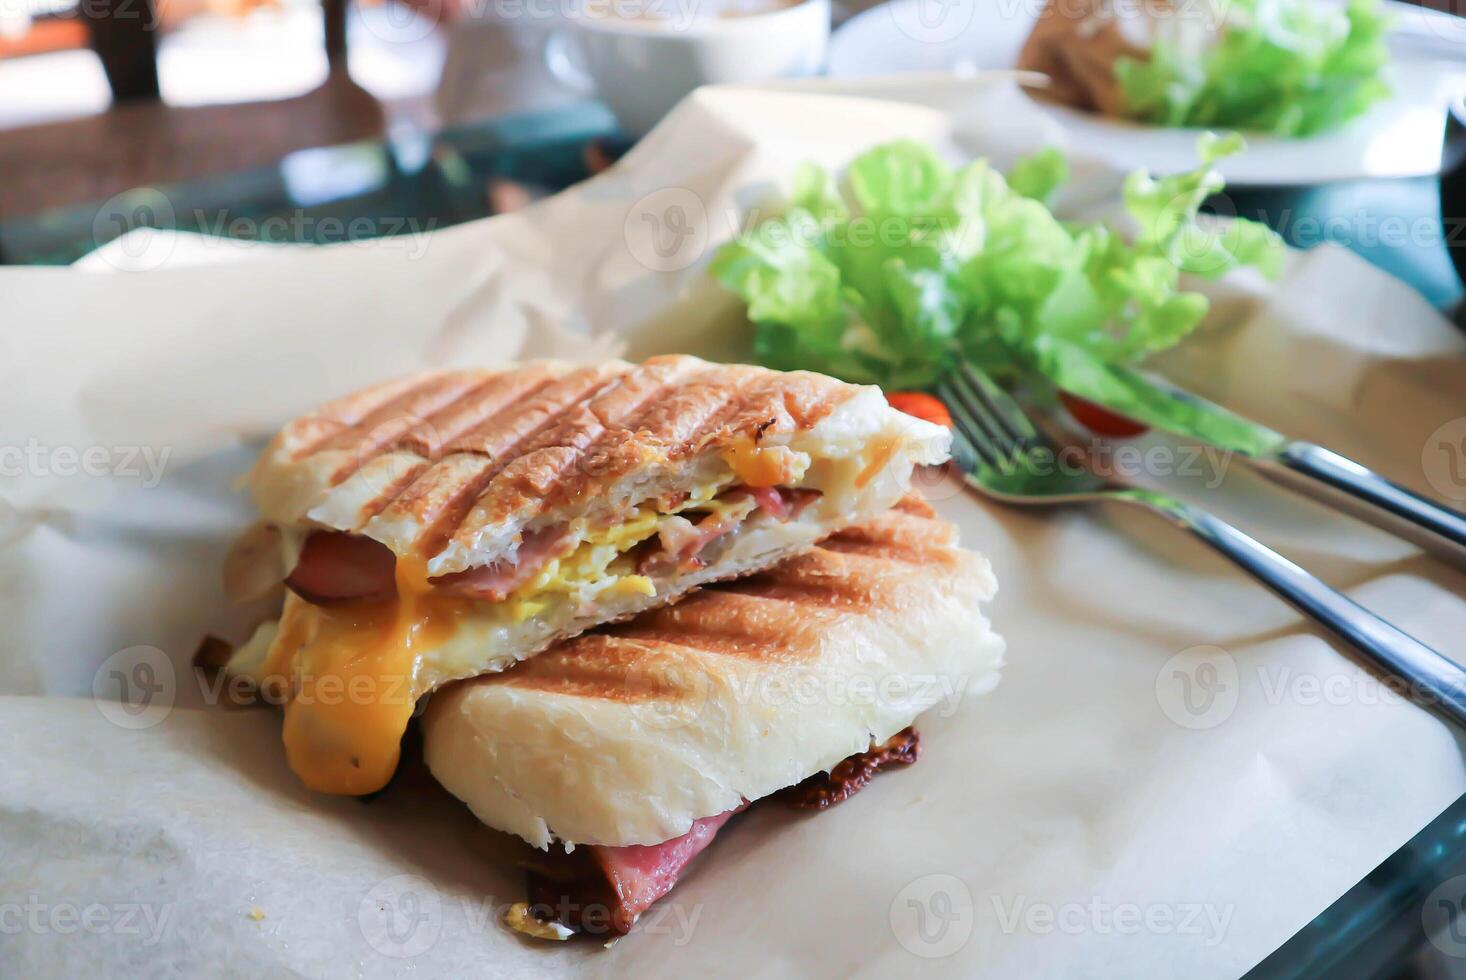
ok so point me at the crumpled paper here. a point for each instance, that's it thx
(1175, 775)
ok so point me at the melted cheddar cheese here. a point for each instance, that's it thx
(352, 675)
(765, 466)
(876, 459)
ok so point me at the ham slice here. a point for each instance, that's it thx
(783, 503)
(640, 874)
(682, 542)
(771, 501)
(336, 567)
(493, 583)
(601, 888)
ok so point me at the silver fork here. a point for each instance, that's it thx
(1012, 461)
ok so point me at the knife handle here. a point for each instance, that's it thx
(1343, 484)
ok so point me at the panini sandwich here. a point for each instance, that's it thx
(449, 525)
(622, 752)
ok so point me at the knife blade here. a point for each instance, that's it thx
(1326, 476)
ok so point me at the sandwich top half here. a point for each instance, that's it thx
(452, 524)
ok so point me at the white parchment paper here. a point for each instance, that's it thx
(1175, 775)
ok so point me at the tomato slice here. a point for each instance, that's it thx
(1100, 420)
(920, 405)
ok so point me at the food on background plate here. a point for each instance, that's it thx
(636, 743)
(911, 265)
(1286, 67)
(452, 524)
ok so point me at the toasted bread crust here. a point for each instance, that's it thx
(446, 455)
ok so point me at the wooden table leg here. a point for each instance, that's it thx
(334, 14)
(124, 36)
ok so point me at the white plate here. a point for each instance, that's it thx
(1400, 137)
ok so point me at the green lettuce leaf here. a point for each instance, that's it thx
(1287, 67)
(913, 264)
(1039, 176)
(1127, 391)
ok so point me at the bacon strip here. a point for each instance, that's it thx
(336, 567)
(784, 503)
(684, 550)
(825, 789)
(494, 582)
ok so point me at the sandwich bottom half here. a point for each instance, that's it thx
(619, 754)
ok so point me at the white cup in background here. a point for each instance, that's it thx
(640, 66)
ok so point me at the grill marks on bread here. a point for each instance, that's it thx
(450, 454)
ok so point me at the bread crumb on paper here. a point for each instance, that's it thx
(256, 913)
(519, 918)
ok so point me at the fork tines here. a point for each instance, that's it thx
(988, 417)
